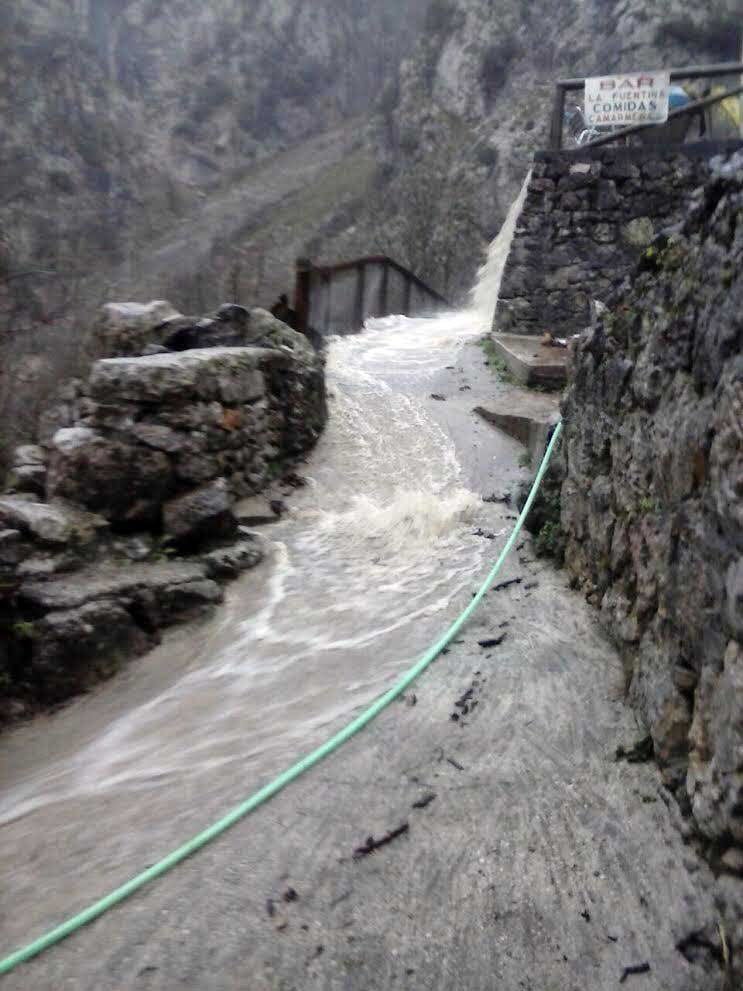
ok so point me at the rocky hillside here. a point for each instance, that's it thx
(118, 116)
(130, 128)
(459, 124)
(160, 146)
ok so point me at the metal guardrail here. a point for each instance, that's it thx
(564, 86)
(338, 299)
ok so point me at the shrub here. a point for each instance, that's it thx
(495, 65)
(214, 93)
(389, 97)
(487, 155)
(440, 17)
(550, 541)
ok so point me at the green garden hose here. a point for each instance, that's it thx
(268, 791)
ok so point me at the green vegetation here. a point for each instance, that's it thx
(525, 460)
(708, 32)
(487, 154)
(214, 93)
(494, 359)
(274, 469)
(648, 505)
(495, 64)
(550, 538)
(24, 630)
(550, 541)
(163, 550)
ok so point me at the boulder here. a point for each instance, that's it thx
(63, 412)
(54, 525)
(127, 328)
(224, 563)
(13, 549)
(256, 511)
(73, 649)
(70, 439)
(267, 331)
(45, 564)
(227, 328)
(204, 513)
(126, 483)
(129, 582)
(136, 547)
(188, 600)
(160, 438)
(161, 379)
(27, 478)
(29, 454)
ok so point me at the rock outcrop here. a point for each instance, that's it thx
(652, 505)
(144, 461)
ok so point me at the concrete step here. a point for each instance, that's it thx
(526, 416)
(531, 362)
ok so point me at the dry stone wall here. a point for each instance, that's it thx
(120, 521)
(587, 217)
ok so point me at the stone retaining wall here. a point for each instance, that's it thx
(586, 219)
(652, 506)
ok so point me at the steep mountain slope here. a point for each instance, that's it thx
(121, 118)
(130, 125)
(472, 103)
(115, 113)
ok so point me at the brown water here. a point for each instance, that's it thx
(358, 581)
(377, 556)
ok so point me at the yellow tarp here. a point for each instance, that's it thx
(725, 119)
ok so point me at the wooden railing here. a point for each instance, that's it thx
(338, 299)
(565, 86)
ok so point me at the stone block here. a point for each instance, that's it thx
(228, 562)
(54, 525)
(202, 514)
(184, 377)
(638, 233)
(73, 649)
(126, 483)
(127, 327)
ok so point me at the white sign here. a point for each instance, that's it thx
(637, 98)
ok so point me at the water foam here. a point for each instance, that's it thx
(408, 520)
(486, 291)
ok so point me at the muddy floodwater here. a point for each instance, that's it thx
(362, 575)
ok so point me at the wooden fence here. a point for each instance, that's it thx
(338, 299)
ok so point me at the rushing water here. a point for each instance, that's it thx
(362, 574)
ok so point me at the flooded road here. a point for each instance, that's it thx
(358, 578)
(529, 857)
(364, 572)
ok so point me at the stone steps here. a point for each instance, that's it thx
(530, 362)
(526, 416)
